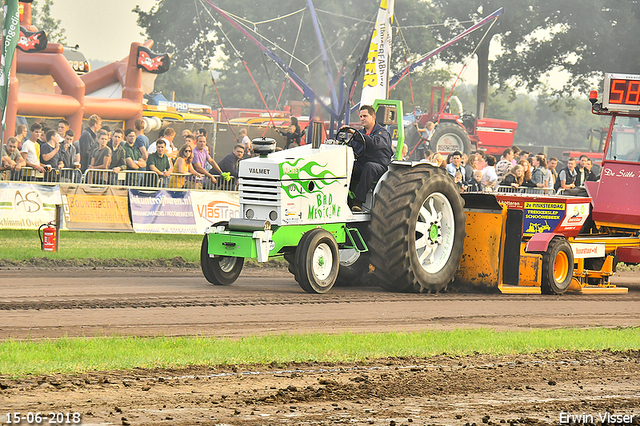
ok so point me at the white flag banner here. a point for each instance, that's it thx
(376, 71)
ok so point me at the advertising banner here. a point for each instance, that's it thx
(211, 207)
(542, 216)
(26, 206)
(167, 212)
(376, 70)
(88, 208)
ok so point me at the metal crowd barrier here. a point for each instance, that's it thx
(526, 190)
(131, 178)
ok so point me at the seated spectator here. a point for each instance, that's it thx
(101, 159)
(12, 161)
(474, 184)
(489, 176)
(514, 178)
(232, 160)
(50, 157)
(159, 163)
(183, 165)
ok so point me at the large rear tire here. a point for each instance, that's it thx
(557, 267)
(450, 137)
(220, 270)
(417, 229)
(317, 261)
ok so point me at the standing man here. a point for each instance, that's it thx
(50, 156)
(31, 148)
(454, 166)
(489, 175)
(142, 141)
(69, 158)
(201, 158)
(167, 136)
(581, 171)
(159, 163)
(63, 126)
(373, 149)
(118, 155)
(101, 158)
(21, 134)
(88, 142)
(133, 158)
(12, 161)
(504, 165)
(567, 176)
(231, 161)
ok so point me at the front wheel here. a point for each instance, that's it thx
(220, 270)
(317, 261)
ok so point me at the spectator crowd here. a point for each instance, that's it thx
(515, 171)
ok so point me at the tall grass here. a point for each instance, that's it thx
(19, 358)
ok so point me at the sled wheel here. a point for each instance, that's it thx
(557, 267)
(417, 229)
(220, 270)
(317, 261)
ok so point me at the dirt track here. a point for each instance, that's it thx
(531, 389)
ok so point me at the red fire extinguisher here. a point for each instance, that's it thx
(47, 236)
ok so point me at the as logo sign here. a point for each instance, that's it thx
(216, 211)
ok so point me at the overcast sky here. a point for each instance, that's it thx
(104, 29)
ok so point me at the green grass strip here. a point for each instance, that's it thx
(25, 244)
(76, 355)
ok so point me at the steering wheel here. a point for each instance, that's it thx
(346, 138)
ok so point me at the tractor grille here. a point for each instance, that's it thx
(259, 191)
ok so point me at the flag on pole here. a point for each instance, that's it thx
(10, 36)
(376, 71)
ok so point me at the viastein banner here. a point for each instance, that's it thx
(166, 212)
(88, 208)
(26, 206)
(376, 69)
(210, 207)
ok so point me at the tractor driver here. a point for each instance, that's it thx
(373, 149)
